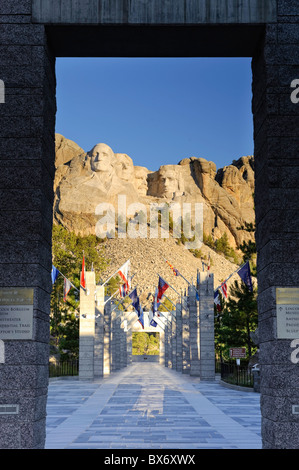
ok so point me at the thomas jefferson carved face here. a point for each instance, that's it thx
(124, 167)
(102, 157)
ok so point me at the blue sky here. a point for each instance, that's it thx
(156, 110)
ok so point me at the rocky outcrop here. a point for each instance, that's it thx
(86, 181)
(65, 150)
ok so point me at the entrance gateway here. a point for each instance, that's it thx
(32, 33)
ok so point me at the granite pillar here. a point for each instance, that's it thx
(27, 154)
(276, 123)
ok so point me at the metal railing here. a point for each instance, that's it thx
(236, 375)
(63, 368)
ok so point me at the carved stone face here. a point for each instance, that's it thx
(124, 167)
(140, 174)
(169, 181)
(102, 157)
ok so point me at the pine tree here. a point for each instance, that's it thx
(68, 249)
(239, 318)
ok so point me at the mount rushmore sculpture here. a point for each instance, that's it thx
(85, 179)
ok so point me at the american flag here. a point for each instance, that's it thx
(123, 290)
(224, 288)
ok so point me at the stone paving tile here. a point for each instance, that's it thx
(151, 408)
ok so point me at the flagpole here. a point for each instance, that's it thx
(111, 297)
(164, 315)
(121, 312)
(169, 300)
(114, 273)
(122, 301)
(185, 279)
(168, 284)
(231, 275)
(68, 280)
(177, 271)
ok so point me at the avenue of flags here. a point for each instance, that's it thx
(125, 290)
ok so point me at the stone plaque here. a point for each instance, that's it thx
(287, 310)
(16, 313)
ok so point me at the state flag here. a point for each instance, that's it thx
(245, 275)
(54, 274)
(82, 278)
(124, 272)
(151, 319)
(217, 300)
(162, 286)
(174, 270)
(135, 301)
(141, 318)
(66, 288)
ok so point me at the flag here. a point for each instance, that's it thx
(203, 265)
(175, 271)
(82, 278)
(140, 318)
(217, 300)
(135, 301)
(162, 286)
(209, 263)
(245, 275)
(123, 290)
(124, 272)
(224, 288)
(151, 319)
(155, 302)
(67, 287)
(54, 274)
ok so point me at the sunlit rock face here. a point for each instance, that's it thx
(84, 180)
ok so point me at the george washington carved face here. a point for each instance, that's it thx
(102, 158)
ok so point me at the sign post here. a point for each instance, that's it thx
(237, 353)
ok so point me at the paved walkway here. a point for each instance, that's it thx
(147, 406)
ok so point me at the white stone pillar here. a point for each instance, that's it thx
(107, 340)
(173, 341)
(206, 325)
(194, 332)
(179, 362)
(185, 337)
(99, 332)
(87, 328)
